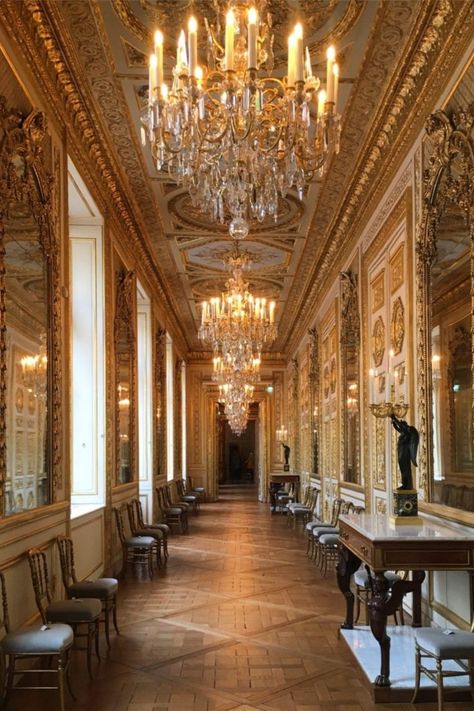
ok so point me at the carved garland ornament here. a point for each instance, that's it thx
(313, 377)
(452, 140)
(397, 326)
(160, 403)
(24, 178)
(378, 342)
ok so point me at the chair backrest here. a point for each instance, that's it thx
(314, 499)
(160, 499)
(66, 559)
(40, 580)
(167, 495)
(359, 509)
(5, 619)
(132, 518)
(346, 507)
(137, 504)
(118, 513)
(180, 487)
(336, 510)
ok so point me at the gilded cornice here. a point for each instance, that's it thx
(32, 23)
(439, 38)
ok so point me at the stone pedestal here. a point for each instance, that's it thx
(405, 508)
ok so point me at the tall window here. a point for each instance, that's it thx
(144, 373)
(169, 409)
(183, 419)
(87, 347)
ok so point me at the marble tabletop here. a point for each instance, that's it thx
(378, 527)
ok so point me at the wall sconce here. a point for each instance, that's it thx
(282, 434)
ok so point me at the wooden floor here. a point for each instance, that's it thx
(240, 620)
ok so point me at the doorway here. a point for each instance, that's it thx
(239, 465)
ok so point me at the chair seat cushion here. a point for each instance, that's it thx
(199, 489)
(160, 527)
(318, 530)
(77, 610)
(35, 640)
(140, 541)
(361, 577)
(189, 498)
(174, 510)
(149, 532)
(459, 645)
(329, 539)
(101, 588)
(311, 524)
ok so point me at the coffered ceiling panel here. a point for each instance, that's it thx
(110, 41)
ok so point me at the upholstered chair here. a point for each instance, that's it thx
(191, 489)
(438, 646)
(136, 530)
(325, 527)
(79, 612)
(329, 551)
(170, 499)
(50, 642)
(303, 512)
(163, 527)
(191, 499)
(172, 515)
(104, 589)
(137, 551)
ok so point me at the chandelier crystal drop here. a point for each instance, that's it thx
(233, 134)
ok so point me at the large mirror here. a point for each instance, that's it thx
(350, 349)
(160, 402)
(124, 365)
(447, 242)
(314, 398)
(27, 313)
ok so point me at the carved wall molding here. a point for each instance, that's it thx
(124, 323)
(378, 342)
(159, 404)
(439, 40)
(314, 404)
(451, 138)
(25, 178)
(397, 326)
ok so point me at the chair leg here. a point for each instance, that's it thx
(10, 672)
(165, 548)
(114, 614)
(402, 614)
(107, 606)
(470, 663)
(97, 638)
(150, 563)
(439, 682)
(60, 682)
(417, 673)
(67, 659)
(90, 634)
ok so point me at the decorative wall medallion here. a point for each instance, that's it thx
(397, 272)
(378, 342)
(397, 326)
(378, 292)
(380, 505)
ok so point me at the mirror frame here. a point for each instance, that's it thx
(451, 138)
(349, 338)
(125, 319)
(314, 408)
(22, 138)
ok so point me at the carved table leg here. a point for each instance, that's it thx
(418, 577)
(378, 625)
(347, 566)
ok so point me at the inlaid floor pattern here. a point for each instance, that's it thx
(239, 621)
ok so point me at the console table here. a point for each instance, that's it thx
(277, 479)
(373, 540)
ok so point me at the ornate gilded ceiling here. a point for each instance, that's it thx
(386, 51)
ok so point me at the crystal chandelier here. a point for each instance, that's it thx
(34, 371)
(237, 324)
(236, 397)
(231, 133)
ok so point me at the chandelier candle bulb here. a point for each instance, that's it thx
(291, 59)
(321, 102)
(181, 56)
(152, 78)
(272, 311)
(229, 41)
(331, 58)
(158, 41)
(192, 45)
(335, 71)
(309, 70)
(252, 39)
(299, 60)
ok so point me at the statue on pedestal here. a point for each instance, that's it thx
(286, 454)
(407, 449)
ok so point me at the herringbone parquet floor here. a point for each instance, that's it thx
(240, 620)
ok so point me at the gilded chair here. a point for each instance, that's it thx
(48, 642)
(440, 646)
(137, 550)
(284, 497)
(172, 515)
(191, 499)
(323, 527)
(303, 512)
(170, 500)
(329, 551)
(136, 530)
(104, 589)
(163, 527)
(80, 612)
